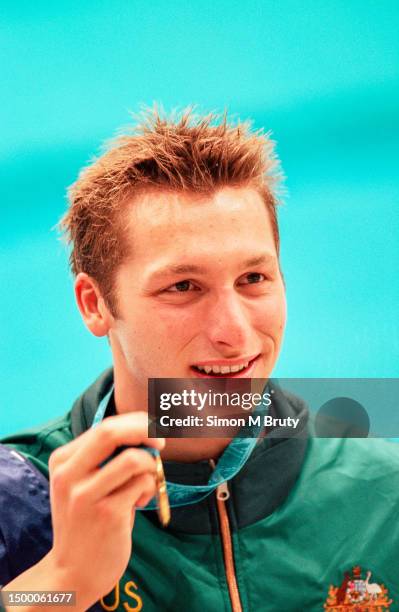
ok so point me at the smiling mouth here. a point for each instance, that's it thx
(223, 371)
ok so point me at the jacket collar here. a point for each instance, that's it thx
(260, 487)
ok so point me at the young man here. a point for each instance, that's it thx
(175, 252)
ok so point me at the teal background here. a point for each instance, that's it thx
(322, 75)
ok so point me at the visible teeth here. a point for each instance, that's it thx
(223, 369)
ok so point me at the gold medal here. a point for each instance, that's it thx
(161, 494)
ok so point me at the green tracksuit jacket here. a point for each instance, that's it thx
(305, 522)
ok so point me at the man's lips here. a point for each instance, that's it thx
(245, 372)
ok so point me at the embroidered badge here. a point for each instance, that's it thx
(358, 594)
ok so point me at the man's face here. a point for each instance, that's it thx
(202, 294)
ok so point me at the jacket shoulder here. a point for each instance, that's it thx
(37, 443)
(353, 460)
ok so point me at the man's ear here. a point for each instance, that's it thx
(91, 304)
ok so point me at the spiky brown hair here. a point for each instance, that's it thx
(181, 152)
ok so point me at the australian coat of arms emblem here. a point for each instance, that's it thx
(358, 593)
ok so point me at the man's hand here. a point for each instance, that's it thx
(92, 508)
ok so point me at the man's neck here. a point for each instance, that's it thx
(191, 450)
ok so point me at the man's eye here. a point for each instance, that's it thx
(252, 277)
(181, 286)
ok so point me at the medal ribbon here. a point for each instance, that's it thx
(230, 463)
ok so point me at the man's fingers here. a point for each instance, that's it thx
(144, 500)
(125, 499)
(130, 463)
(88, 451)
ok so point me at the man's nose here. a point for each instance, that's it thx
(227, 321)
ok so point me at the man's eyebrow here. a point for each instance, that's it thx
(261, 259)
(195, 269)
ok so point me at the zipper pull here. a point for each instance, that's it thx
(222, 491)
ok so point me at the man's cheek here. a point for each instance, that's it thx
(271, 314)
(278, 309)
(178, 322)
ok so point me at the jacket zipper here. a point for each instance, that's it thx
(222, 495)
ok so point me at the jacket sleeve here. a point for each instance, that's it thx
(25, 517)
(4, 568)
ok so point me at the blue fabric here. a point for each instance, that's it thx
(25, 519)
